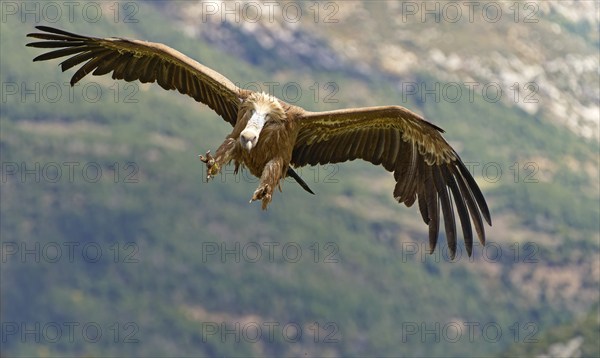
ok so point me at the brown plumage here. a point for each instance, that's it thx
(270, 136)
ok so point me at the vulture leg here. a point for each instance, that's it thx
(269, 180)
(222, 157)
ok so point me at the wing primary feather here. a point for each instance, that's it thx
(447, 210)
(87, 68)
(463, 214)
(475, 190)
(63, 39)
(433, 207)
(58, 53)
(423, 209)
(59, 32)
(55, 44)
(77, 59)
(434, 222)
(471, 204)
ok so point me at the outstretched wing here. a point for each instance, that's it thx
(133, 60)
(425, 166)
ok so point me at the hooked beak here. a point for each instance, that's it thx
(248, 139)
(249, 136)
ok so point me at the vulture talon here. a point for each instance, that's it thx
(206, 158)
(262, 193)
(212, 168)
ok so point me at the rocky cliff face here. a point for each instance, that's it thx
(541, 56)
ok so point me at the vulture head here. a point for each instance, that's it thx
(258, 110)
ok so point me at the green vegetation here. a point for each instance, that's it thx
(164, 284)
(583, 333)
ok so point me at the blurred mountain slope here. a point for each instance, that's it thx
(156, 221)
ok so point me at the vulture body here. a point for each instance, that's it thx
(270, 137)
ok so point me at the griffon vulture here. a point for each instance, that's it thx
(270, 136)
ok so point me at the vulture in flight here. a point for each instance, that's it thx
(271, 137)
